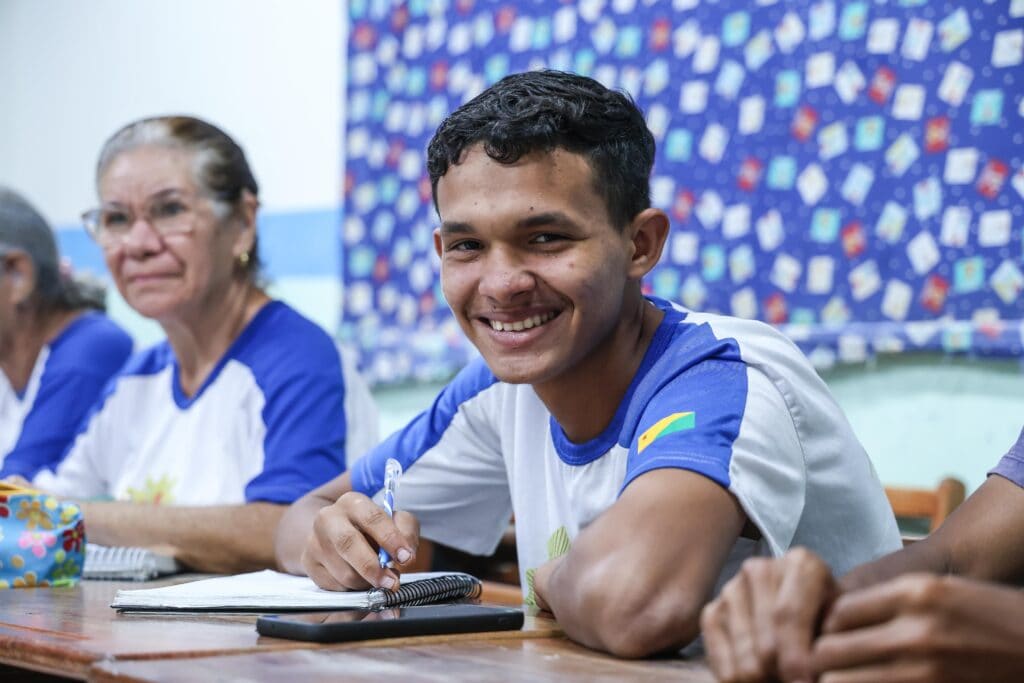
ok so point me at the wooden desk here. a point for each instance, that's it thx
(545, 659)
(73, 632)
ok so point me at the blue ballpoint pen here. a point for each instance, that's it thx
(392, 473)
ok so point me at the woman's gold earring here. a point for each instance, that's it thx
(243, 259)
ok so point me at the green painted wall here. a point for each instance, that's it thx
(925, 417)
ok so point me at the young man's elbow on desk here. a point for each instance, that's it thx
(608, 607)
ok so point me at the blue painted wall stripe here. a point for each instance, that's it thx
(292, 243)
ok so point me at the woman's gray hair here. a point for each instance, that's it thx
(220, 167)
(23, 228)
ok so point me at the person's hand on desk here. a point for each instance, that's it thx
(923, 628)
(542, 582)
(23, 483)
(341, 553)
(762, 625)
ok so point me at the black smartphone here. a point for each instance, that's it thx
(333, 627)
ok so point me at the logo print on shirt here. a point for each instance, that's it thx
(676, 422)
(159, 492)
(558, 545)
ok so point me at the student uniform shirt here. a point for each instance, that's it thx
(271, 422)
(70, 372)
(730, 399)
(1011, 466)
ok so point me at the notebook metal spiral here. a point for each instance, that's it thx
(125, 563)
(427, 591)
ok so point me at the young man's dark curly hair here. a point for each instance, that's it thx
(544, 110)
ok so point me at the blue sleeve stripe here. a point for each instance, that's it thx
(698, 373)
(297, 368)
(81, 371)
(424, 432)
(712, 468)
(691, 345)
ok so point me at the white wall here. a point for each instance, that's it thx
(72, 72)
(269, 72)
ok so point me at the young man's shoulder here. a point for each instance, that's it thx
(720, 357)
(694, 336)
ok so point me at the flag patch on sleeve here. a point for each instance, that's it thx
(676, 422)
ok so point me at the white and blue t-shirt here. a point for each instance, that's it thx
(275, 418)
(38, 424)
(730, 399)
(1011, 465)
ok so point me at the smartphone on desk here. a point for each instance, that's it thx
(346, 625)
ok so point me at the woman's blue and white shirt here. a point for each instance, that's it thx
(70, 372)
(278, 416)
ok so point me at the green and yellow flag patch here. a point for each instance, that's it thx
(676, 422)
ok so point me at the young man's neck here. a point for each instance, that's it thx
(584, 400)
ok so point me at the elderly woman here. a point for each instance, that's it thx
(246, 406)
(57, 349)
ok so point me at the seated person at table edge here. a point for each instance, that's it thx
(896, 618)
(57, 349)
(644, 449)
(245, 406)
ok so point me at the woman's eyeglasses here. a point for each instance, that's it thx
(170, 215)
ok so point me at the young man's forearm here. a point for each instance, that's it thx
(605, 606)
(635, 580)
(216, 538)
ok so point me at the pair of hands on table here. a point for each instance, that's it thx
(790, 620)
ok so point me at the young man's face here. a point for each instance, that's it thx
(531, 264)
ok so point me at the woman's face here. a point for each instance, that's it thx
(8, 305)
(176, 256)
(17, 284)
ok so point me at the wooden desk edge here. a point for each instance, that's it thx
(42, 657)
(546, 629)
(81, 663)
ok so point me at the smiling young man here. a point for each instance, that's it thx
(644, 449)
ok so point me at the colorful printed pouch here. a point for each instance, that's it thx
(42, 539)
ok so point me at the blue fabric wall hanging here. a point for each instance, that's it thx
(851, 172)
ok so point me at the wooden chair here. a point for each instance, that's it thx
(932, 505)
(499, 593)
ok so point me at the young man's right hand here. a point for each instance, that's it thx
(762, 626)
(341, 552)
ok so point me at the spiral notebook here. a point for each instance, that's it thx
(126, 563)
(270, 591)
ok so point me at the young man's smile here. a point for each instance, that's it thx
(519, 325)
(514, 330)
